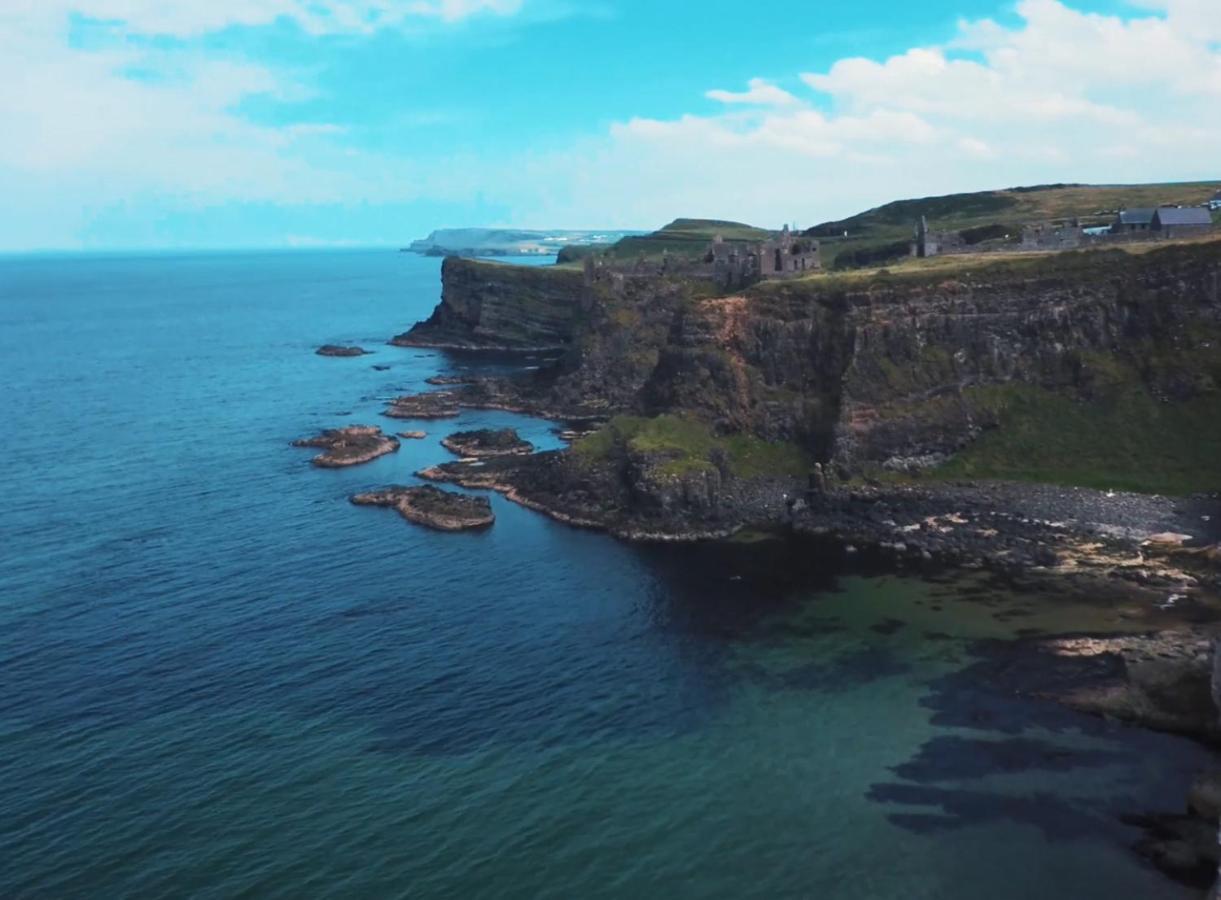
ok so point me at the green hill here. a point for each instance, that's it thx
(880, 234)
(685, 237)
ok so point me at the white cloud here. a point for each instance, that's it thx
(1062, 96)
(192, 18)
(759, 93)
(130, 124)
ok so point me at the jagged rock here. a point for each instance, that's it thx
(337, 350)
(349, 446)
(435, 405)
(432, 507)
(487, 443)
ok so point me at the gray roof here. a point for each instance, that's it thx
(1190, 215)
(1136, 216)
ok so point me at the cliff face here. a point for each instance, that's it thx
(900, 371)
(487, 306)
(934, 365)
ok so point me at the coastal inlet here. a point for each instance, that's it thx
(224, 679)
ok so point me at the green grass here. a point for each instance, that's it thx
(1013, 208)
(685, 238)
(988, 268)
(1124, 440)
(690, 446)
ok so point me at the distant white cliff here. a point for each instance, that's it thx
(509, 241)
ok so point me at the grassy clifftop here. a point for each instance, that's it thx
(992, 214)
(684, 238)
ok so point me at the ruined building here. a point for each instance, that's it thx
(739, 264)
(925, 243)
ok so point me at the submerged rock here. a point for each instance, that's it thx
(432, 507)
(1182, 846)
(1164, 680)
(337, 350)
(349, 446)
(487, 443)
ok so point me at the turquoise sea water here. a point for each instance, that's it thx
(219, 679)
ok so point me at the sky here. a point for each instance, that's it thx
(296, 123)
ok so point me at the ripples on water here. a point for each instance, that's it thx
(220, 679)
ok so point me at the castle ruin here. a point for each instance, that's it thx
(736, 265)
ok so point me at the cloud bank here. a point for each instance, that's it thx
(1063, 96)
(147, 120)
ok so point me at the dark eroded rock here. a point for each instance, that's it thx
(337, 350)
(349, 446)
(487, 443)
(434, 405)
(432, 507)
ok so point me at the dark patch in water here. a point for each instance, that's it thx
(889, 626)
(950, 757)
(845, 672)
(1056, 817)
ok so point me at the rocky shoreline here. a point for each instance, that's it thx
(351, 446)
(693, 417)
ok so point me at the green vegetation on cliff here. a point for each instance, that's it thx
(688, 445)
(881, 234)
(1149, 421)
(1125, 441)
(685, 238)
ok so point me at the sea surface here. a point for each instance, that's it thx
(220, 679)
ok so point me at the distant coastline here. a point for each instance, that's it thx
(509, 241)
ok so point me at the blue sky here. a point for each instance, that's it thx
(214, 123)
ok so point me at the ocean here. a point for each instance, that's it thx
(220, 679)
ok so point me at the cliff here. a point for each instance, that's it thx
(1100, 368)
(488, 306)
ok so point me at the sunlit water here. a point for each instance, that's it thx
(220, 679)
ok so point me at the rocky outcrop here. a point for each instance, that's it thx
(349, 446)
(337, 350)
(488, 306)
(487, 443)
(432, 507)
(433, 405)
(413, 435)
(639, 496)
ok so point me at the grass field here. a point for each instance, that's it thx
(1011, 209)
(890, 226)
(685, 238)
